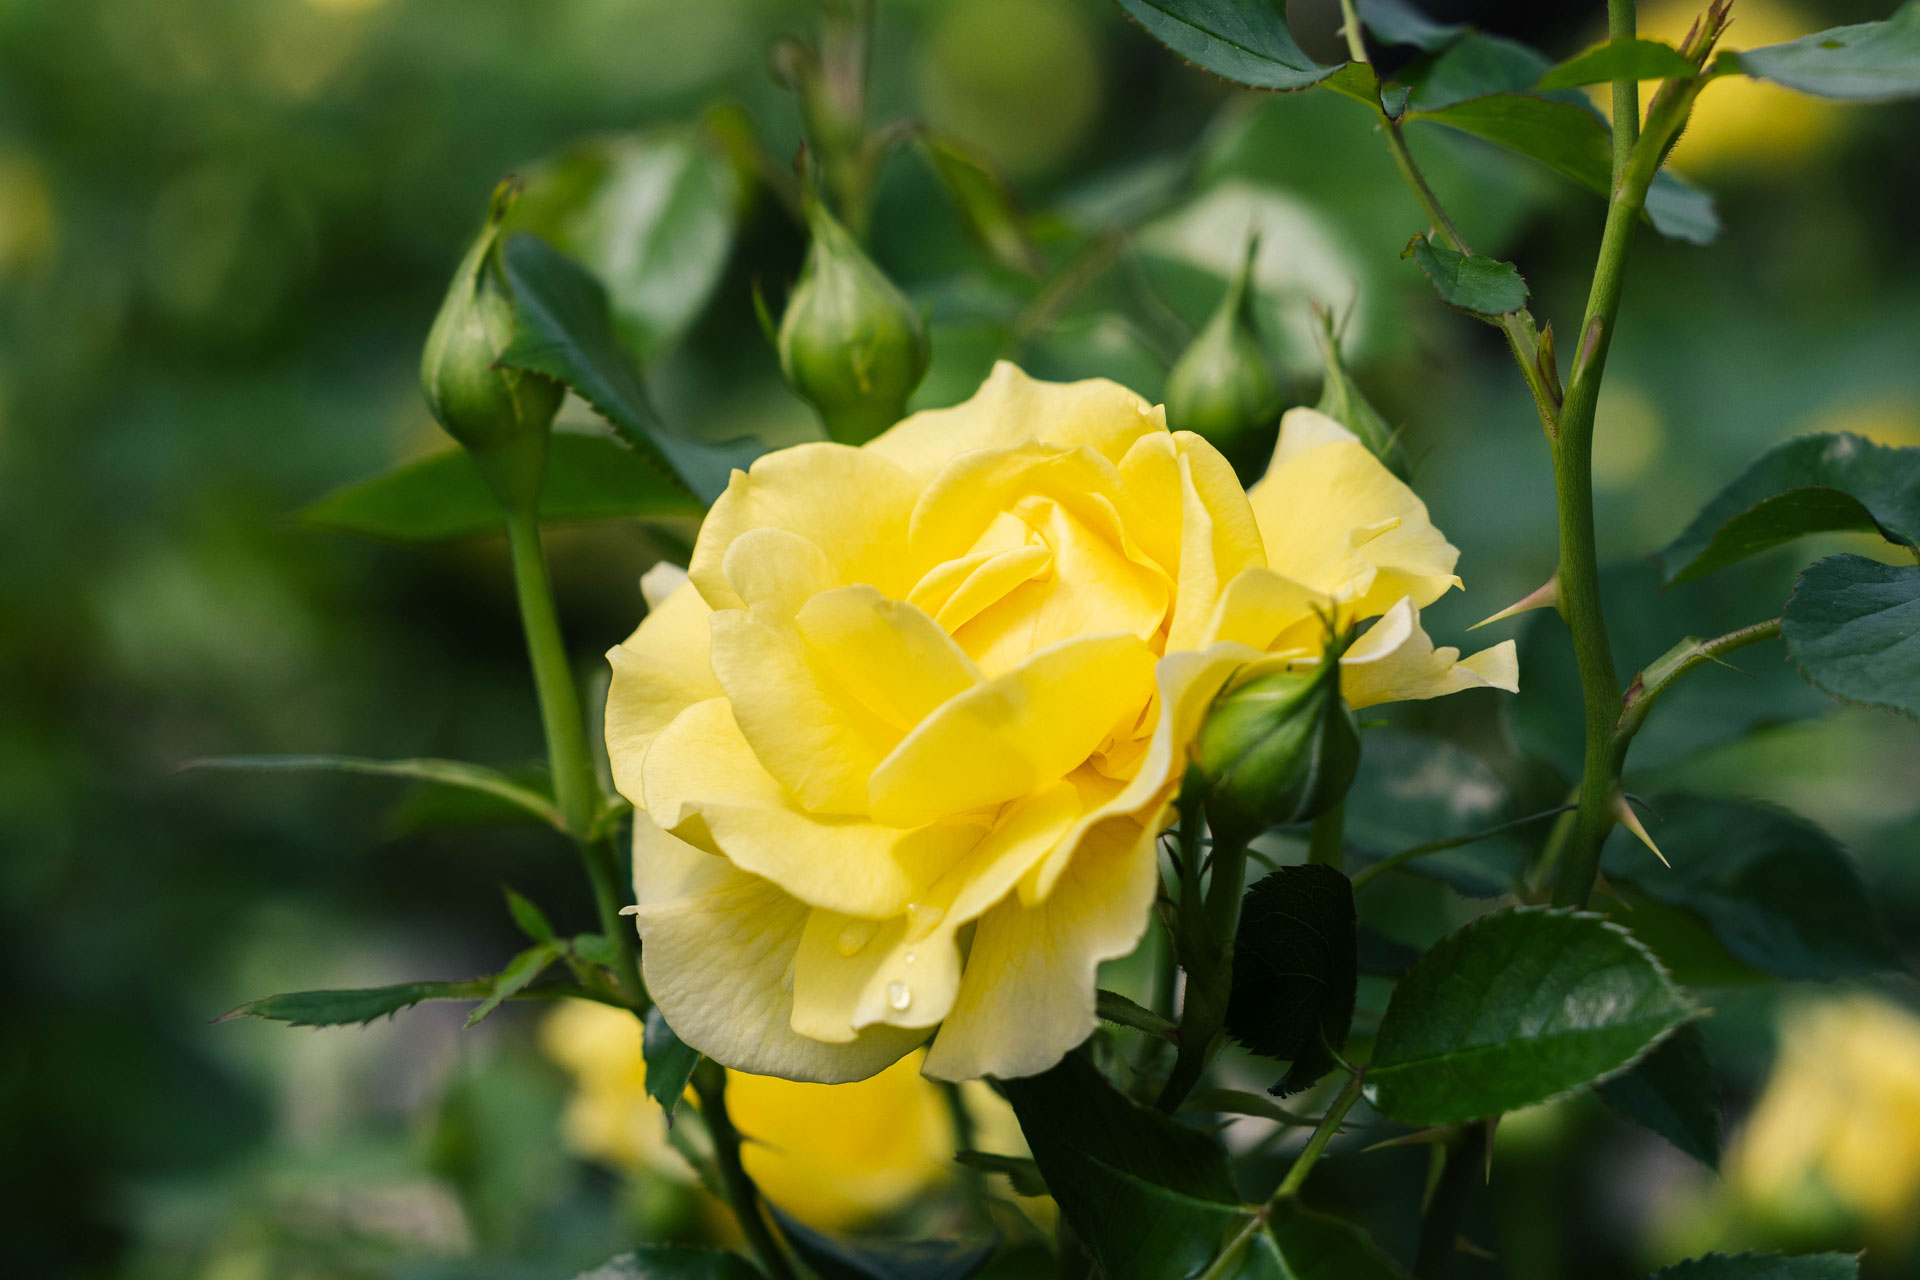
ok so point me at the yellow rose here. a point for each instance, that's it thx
(900, 750)
(832, 1156)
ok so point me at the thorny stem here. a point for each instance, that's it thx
(576, 787)
(1322, 1135)
(1207, 923)
(1659, 675)
(710, 1086)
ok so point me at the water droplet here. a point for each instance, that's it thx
(898, 997)
(856, 935)
(909, 957)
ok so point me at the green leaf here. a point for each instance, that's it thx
(1619, 60)
(1764, 1266)
(1570, 139)
(1022, 1172)
(1483, 286)
(984, 201)
(355, 1007)
(1295, 970)
(1777, 891)
(673, 1262)
(837, 1257)
(562, 328)
(1852, 626)
(653, 216)
(596, 948)
(1518, 1007)
(445, 773)
(1150, 1197)
(515, 978)
(1315, 1246)
(1869, 62)
(1811, 484)
(532, 920)
(1238, 1103)
(1472, 67)
(443, 496)
(670, 1062)
(1245, 41)
(1397, 22)
(1673, 1093)
(1113, 1007)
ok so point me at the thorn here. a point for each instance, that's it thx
(1463, 1245)
(1492, 1123)
(1631, 821)
(1544, 596)
(1603, 885)
(1419, 1137)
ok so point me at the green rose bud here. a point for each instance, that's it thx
(501, 416)
(1222, 387)
(1279, 749)
(850, 344)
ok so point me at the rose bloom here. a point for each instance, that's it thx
(833, 1158)
(900, 749)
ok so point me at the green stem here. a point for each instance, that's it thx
(1440, 1224)
(710, 1086)
(1659, 675)
(1626, 93)
(1325, 838)
(1207, 923)
(1405, 856)
(1322, 1135)
(1350, 27)
(576, 787)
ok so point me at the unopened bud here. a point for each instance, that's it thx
(502, 416)
(1279, 749)
(1222, 387)
(850, 343)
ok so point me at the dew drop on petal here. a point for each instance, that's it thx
(909, 957)
(898, 997)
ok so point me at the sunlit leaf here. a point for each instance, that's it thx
(1779, 892)
(1482, 286)
(1619, 60)
(1852, 626)
(515, 978)
(1811, 484)
(1868, 62)
(588, 478)
(1518, 1007)
(1672, 1092)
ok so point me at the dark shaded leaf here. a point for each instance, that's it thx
(670, 1062)
(1868, 62)
(1398, 22)
(837, 1257)
(355, 1007)
(445, 773)
(1295, 971)
(563, 329)
(1621, 59)
(673, 1262)
(1852, 626)
(588, 478)
(1022, 1172)
(652, 216)
(1235, 1102)
(515, 978)
(1315, 1246)
(1414, 790)
(1113, 1007)
(1518, 1007)
(1570, 139)
(1811, 484)
(1150, 1197)
(1672, 1092)
(1483, 286)
(1764, 1266)
(1779, 892)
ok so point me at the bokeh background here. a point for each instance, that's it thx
(224, 228)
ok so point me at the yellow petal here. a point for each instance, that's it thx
(1027, 995)
(851, 504)
(1259, 606)
(705, 784)
(1011, 408)
(1219, 537)
(1336, 520)
(1404, 664)
(717, 945)
(889, 656)
(1015, 733)
(658, 672)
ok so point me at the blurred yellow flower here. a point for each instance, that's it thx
(901, 748)
(1741, 123)
(1838, 1126)
(833, 1156)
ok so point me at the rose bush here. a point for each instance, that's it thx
(901, 745)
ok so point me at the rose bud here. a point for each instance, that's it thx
(1279, 749)
(501, 416)
(850, 343)
(1222, 386)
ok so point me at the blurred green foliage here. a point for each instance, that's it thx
(224, 228)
